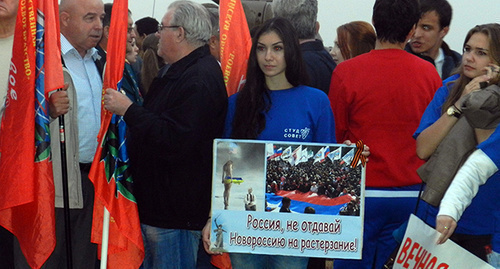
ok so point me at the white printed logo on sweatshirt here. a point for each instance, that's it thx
(296, 133)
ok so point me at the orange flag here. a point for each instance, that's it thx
(109, 173)
(235, 44)
(27, 204)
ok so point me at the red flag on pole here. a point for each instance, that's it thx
(235, 44)
(109, 173)
(27, 204)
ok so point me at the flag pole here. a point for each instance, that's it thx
(64, 167)
(105, 239)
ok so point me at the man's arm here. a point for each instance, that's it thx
(116, 102)
(192, 114)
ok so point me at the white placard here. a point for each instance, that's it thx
(420, 250)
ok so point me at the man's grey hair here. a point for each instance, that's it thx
(301, 13)
(213, 10)
(195, 20)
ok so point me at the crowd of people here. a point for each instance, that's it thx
(395, 85)
(328, 178)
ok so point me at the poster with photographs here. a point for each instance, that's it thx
(285, 198)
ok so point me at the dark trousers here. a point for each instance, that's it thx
(84, 253)
(6, 251)
(475, 244)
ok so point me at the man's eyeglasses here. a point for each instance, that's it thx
(161, 27)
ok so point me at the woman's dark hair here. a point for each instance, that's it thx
(146, 26)
(253, 100)
(151, 62)
(492, 31)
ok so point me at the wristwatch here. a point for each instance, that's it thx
(453, 111)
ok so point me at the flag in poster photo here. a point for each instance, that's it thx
(348, 157)
(320, 155)
(334, 155)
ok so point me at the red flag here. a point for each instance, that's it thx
(221, 261)
(109, 172)
(235, 44)
(52, 37)
(27, 207)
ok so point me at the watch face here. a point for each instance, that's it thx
(450, 111)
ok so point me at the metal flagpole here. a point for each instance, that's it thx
(64, 167)
(153, 11)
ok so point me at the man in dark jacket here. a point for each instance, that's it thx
(427, 41)
(171, 138)
(303, 14)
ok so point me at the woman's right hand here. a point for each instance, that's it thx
(446, 226)
(473, 85)
(491, 73)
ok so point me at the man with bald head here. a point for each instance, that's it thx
(81, 30)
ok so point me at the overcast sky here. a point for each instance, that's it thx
(333, 13)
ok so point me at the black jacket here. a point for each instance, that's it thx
(452, 59)
(319, 64)
(171, 140)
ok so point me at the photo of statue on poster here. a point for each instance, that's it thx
(287, 198)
